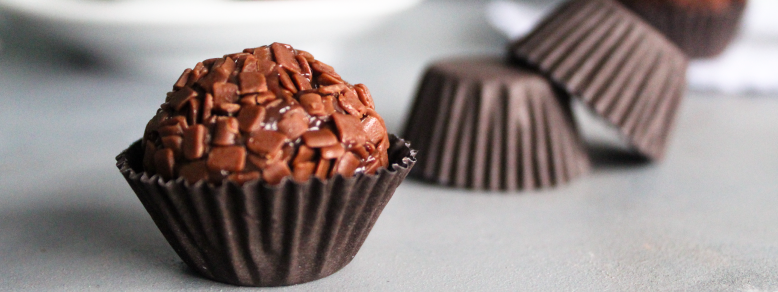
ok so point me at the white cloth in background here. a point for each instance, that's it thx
(749, 65)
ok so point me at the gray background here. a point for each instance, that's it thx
(704, 219)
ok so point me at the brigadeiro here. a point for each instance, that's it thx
(617, 64)
(266, 168)
(701, 28)
(484, 124)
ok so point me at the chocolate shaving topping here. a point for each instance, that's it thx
(179, 98)
(332, 151)
(248, 100)
(364, 96)
(207, 106)
(266, 113)
(347, 164)
(243, 177)
(304, 154)
(329, 79)
(252, 82)
(198, 72)
(193, 171)
(225, 132)
(164, 160)
(248, 64)
(231, 158)
(225, 93)
(213, 77)
(170, 130)
(322, 68)
(182, 80)
(305, 67)
(301, 81)
(251, 117)
(373, 128)
(312, 103)
(332, 89)
(285, 57)
(265, 97)
(319, 139)
(173, 143)
(322, 168)
(194, 142)
(303, 171)
(350, 129)
(286, 81)
(329, 104)
(308, 57)
(192, 110)
(227, 108)
(265, 142)
(350, 102)
(274, 173)
(294, 123)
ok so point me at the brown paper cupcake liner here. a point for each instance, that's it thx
(619, 65)
(483, 124)
(261, 235)
(700, 33)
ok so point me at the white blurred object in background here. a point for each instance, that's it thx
(760, 20)
(749, 65)
(512, 19)
(144, 35)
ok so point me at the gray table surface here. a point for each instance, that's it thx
(704, 219)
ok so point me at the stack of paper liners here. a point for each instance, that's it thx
(480, 123)
(698, 30)
(261, 235)
(619, 65)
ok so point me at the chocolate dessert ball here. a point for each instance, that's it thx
(266, 113)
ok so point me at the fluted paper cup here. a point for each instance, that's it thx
(262, 235)
(700, 31)
(616, 63)
(480, 123)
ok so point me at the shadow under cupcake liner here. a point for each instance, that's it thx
(480, 123)
(699, 32)
(261, 235)
(620, 67)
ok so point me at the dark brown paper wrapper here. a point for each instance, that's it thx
(261, 235)
(620, 66)
(700, 33)
(483, 124)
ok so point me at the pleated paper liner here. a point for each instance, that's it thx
(260, 235)
(699, 32)
(480, 123)
(619, 65)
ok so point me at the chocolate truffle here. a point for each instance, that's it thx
(701, 28)
(484, 124)
(265, 168)
(266, 113)
(616, 63)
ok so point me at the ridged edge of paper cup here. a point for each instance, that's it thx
(700, 33)
(504, 128)
(619, 65)
(262, 235)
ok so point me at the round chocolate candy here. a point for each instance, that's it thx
(266, 113)
(273, 154)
